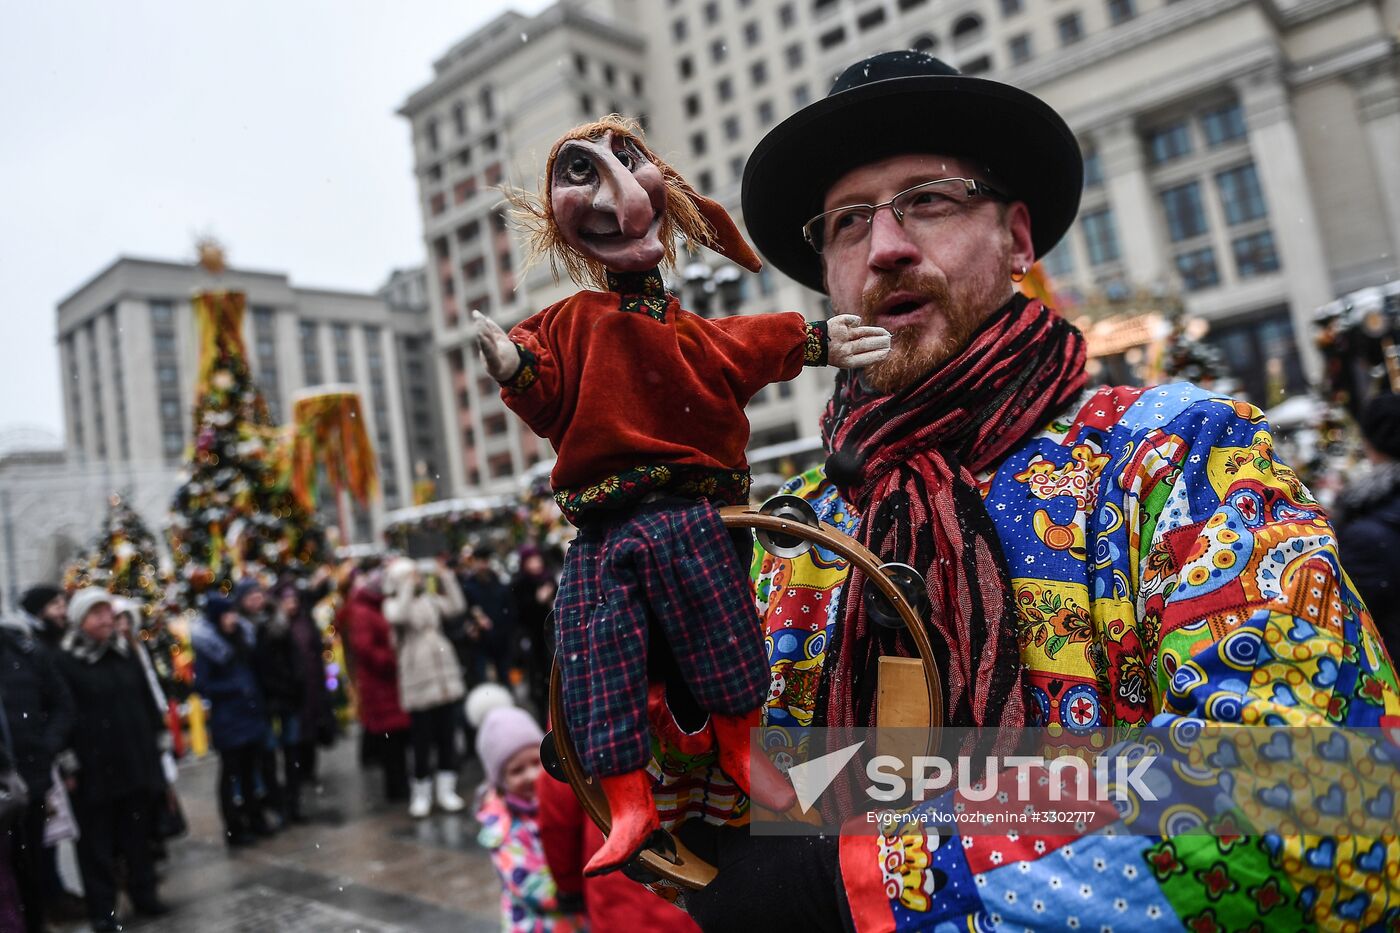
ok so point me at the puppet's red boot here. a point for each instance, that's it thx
(762, 782)
(665, 727)
(634, 819)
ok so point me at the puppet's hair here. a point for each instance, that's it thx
(536, 216)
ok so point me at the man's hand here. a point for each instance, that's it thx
(852, 345)
(497, 350)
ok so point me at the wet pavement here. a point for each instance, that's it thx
(358, 865)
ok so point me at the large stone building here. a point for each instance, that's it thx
(1242, 153)
(128, 346)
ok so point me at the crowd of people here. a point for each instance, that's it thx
(88, 740)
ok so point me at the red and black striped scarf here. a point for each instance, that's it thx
(906, 463)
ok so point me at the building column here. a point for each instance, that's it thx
(1278, 157)
(452, 479)
(396, 404)
(1378, 104)
(364, 386)
(1130, 195)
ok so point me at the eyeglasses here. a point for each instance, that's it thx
(928, 203)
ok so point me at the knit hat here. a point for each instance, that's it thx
(242, 588)
(483, 699)
(84, 601)
(216, 606)
(505, 731)
(37, 597)
(1380, 423)
(398, 574)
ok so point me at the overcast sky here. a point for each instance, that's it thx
(131, 127)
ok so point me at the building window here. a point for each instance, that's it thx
(906, 5)
(585, 104)
(1241, 194)
(431, 131)
(1186, 217)
(765, 112)
(609, 75)
(724, 89)
(801, 96)
(786, 15)
(473, 269)
(637, 85)
(1264, 356)
(437, 203)
(679, 30)
(580, 64)
(758, 73)
(459, 118)
(870, 19)
(1255, 254)
(469, 231)
(168, 375)
(832, 38)
(499, 464)
(310, 353)
(719, 51)
(736, 168)
(685, 66)
(712, 11)
(692, 105)
(1120, 11)
(340, 340)
(924, 43)
(1093, 169)
(1070, 28)
(1100, 236)
(1020, 48)
(435, 172)
(464, 156)
(1168, 142)
(697, 144)
(1197, 269)
(1223, 125)
(751, 32)
(979, 65)
(488, 102)
(1012, 7)
(707, 182)
(492, 175)
(793, 55)
(967, 29)
(731, 127)
(1059, 262)
(822, 7)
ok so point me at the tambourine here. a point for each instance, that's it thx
(786, 526)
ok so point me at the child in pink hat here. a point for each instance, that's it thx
(508, 744)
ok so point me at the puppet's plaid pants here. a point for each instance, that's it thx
(667, 569)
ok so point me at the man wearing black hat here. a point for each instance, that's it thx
(1093, 558)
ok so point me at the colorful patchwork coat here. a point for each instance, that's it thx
(1165, 564)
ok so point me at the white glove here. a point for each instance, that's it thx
(498, 351)
(852, 345)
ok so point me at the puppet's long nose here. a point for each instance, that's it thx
(622, 196)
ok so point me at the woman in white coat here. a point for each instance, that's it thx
(430, 679)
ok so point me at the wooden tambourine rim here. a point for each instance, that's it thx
(689, 871)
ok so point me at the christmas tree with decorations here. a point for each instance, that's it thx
(234, 512)
(122, 559)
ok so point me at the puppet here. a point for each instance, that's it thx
(644, 404)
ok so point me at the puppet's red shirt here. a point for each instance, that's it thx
(638, 395)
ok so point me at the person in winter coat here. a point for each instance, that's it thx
(376, 673)
(532, 589)
(39, 715)
(491, 617)
(1367, 519)
(114, 741)
(430, 680)
(282, 678)
(508, 744)
(314, 716)
(223, 644)
(613, 903)
(47, 609)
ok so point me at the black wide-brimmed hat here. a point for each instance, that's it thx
(907, 102)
